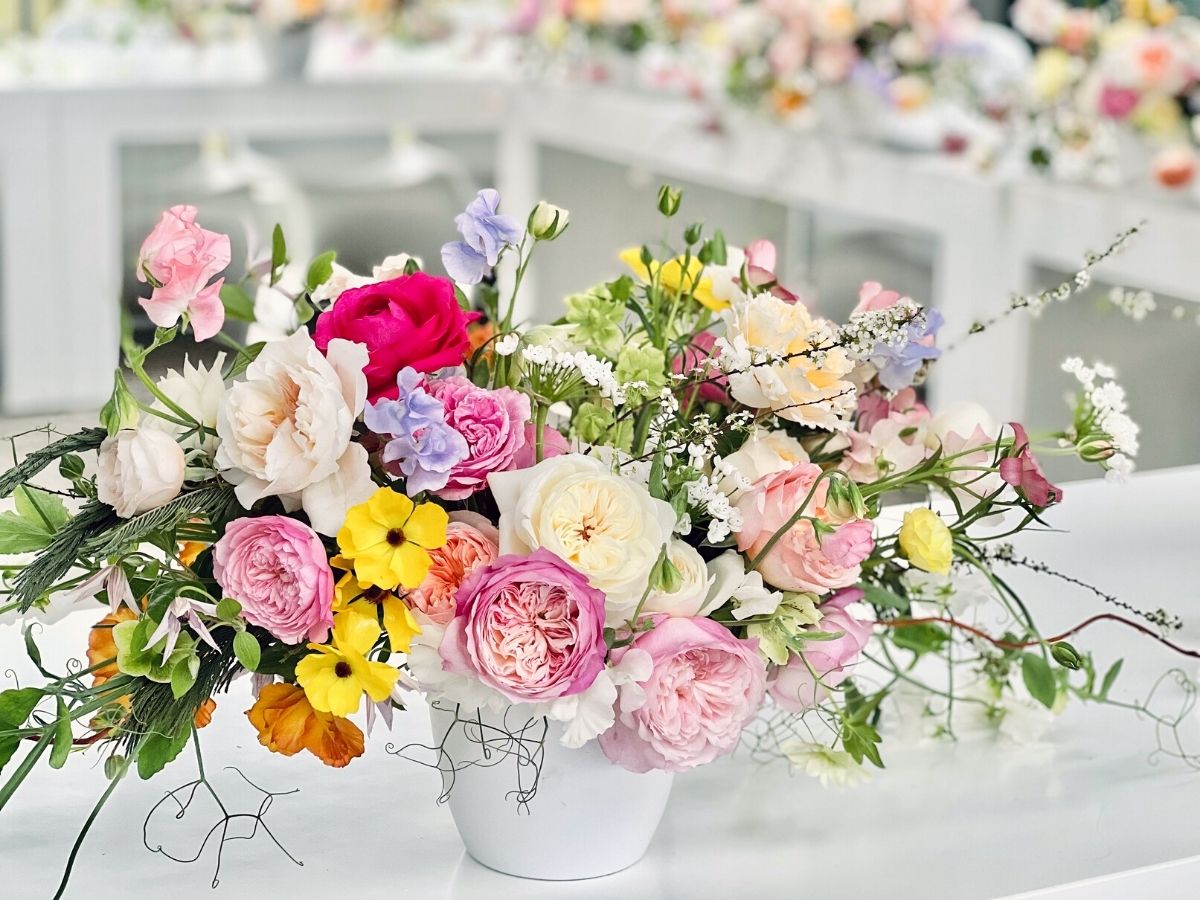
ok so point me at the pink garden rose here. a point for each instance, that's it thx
(278, 570)
(806, 679)
(413, 320)
(471, 541)
(850, 544)
(180, 258)
(797, 561)
(553, 444)
(493, 423)
(705, 687)
(1118, 102)
(530, 627)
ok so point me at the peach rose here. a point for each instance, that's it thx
(471, 541)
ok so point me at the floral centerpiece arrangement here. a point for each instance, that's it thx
(661, 526)
(1114, 92)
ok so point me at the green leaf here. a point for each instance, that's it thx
(882, 598)
(278, 253)
(247, 650)
(87, 439)
(183, 675)
(860, 740)
(464, 302)
(238, 304)
(17, 704)
(38, 517)
(242, 361)
(719, 249)
(121, 410)
(8, 746)
(303, 309)
(62, 737)
(39, 506)
(924, 638)
(159, 749)
(1039, 679)
(71, 467)
(228, 609)
(320, 270)
(1066, 655)
(20, 536)
(1109, 677)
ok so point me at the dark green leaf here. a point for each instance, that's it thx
(17, 704)
(87, 439)
(923, 638)
(242, 361)
(183, 675)
(247, 650)
(278, 253)
(1109, 677)
(1038, 678)
(158, 749)
(228, 609)
(71, 467)
(320, 270)
(882, 598)
(238, 304)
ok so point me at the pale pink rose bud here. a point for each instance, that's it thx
(140, 470)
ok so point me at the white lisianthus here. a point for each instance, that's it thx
(285, 430)
(764, 453)
(140, 469)
(548, 221)
(606, 526)
(197, 390)
(690, 598)
(770, 350)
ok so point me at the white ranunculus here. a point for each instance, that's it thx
(688, 600)
(606, 526)
(285, 430)
(764, 453)
(198, 391)
(140, 470)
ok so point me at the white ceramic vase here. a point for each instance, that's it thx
(586, 818)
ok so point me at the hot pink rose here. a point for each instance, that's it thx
(493, 423)
(806, 679)
(278, 570)
(705, 687)
(413, 320)
(796, 562)
(179, 258)
(471, 542)
(530, 627)
(553, 444)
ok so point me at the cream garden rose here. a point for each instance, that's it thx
(764, 453)
(796, 388)
(285, 430)
(139, 469)
(606, 526)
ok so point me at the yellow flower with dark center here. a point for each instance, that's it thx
(352, 596)
(336, 676)
(672, 277)
(388, 539)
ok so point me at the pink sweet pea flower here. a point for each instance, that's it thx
(761, 259)
(872, 297)
(1022, 471)
(180, 258)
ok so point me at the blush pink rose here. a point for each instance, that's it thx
(705, 687)
(493, 423)
(797, 561)
(471, 542)
(180, 258)
(413, 320)
(553, 444)
(278, 570)
(850, 544)
(530, 627)
(806, 679)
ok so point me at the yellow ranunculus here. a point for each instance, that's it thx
(351, 595)
(673, 278)
(1157, 114)
(926, 541)
(388, 539)
(1053, 71)
(335, 677)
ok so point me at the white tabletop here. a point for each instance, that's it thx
(977, 819)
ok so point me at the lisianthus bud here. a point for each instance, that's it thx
(668, 200)
(1066, 655)
(548, 221)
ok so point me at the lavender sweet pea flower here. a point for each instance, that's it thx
(898, 363)
(485, 235)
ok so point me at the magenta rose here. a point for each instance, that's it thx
(705, 687)
(493, 423)
(277, 569)
(797, 562)
(530, 627)
(413, 320)
(806, 679)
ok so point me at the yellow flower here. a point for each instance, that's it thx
(1053, 72)
(673, 278)
(1157, 114)
(926, 541)
(352, 596)
(388, 539)
(336, 676)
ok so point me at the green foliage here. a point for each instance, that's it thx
(228, 609)
(247, 650)
(278, 254)
(859, 737)
(1039, 679)
(35, 462)
(121, 410)
(238, 304)
(15, 708)
(156, 750)
(138, 658)
(62, 736)
(53, 563)
(925, 637)
(1066, 655)
(320, 270)
(1109, 679)
(882, 598)
(242, 361)
(32, 526)
(211, 503)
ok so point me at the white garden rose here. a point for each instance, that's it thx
(140, 469)
(606, 526)
(764, 453)
(197, 390)
(285, 430)
(764, 349)
(689, 599)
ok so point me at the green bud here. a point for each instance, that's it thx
(121, 410)
(113, 766)
(665, 577)
(668, 200)
(1094, 447)
(547, 221)
(845, 500)
(1066, 655)
(691, 234)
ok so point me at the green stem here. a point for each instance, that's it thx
(108, 791)
(539, 426)
(139, 370)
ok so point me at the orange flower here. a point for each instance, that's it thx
(190, 550)
(480, 333)
(287, 724)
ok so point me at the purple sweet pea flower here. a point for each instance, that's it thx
(423, 446)
(898, 363)
(485, 235)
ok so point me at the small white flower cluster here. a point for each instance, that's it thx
(705, 493)
(888, 326)
(1135, 304)
(1179, 313)
(562, 365)
(737, 355)
(1108, 413)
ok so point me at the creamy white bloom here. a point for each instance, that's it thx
(764, 453)
(781, 358)
(731, 581)
(606, 526)
(690, 598)
(285, 430)
(835, 768)
(343, 279)
(963, 418)
(139, 469)
(548, 221)
(197, 390)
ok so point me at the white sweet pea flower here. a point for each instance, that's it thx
(590, 713)
(731, 581)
